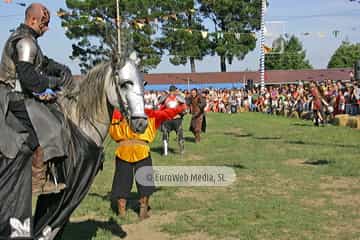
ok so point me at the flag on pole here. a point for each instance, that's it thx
(267, 49)
(61, 13)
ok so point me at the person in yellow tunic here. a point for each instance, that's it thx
(133, 153)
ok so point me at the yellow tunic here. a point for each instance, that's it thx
(133, 147)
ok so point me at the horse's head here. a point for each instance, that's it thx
(127, 94)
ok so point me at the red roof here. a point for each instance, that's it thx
(271, 76)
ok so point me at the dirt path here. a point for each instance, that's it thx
(151, 229)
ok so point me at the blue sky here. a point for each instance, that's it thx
(317, 17)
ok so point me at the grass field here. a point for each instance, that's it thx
(294, 181)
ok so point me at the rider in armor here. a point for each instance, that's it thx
(173, 100)
(27, 73)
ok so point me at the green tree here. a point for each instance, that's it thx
(345, 56)
(91, 23)
(233, 21)
(182, 34)
(287, 54)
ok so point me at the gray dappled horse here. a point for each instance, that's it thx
(89, 104)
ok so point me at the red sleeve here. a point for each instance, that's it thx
(162, 107)
(116, 115)
(165, 114)
(149, 112)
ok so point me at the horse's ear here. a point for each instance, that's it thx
(133, 56)
(117, 61)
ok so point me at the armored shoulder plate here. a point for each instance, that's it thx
(26, 50)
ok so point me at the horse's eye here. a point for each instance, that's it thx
(126, 84)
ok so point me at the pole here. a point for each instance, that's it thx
(262, 42)
(118, 25)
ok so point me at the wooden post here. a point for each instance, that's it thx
(118, 26)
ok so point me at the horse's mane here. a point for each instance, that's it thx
(91, 91)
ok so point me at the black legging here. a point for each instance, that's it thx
(173, 125)
(124, 177)
(317, 119)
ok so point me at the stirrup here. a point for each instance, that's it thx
(59, 186)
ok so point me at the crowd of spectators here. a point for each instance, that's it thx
(289, 100)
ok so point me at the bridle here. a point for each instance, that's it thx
(123, 107)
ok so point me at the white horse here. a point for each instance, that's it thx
(89, 105)
(103, 89)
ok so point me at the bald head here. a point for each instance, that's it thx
(37, 10)
(37, 16)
